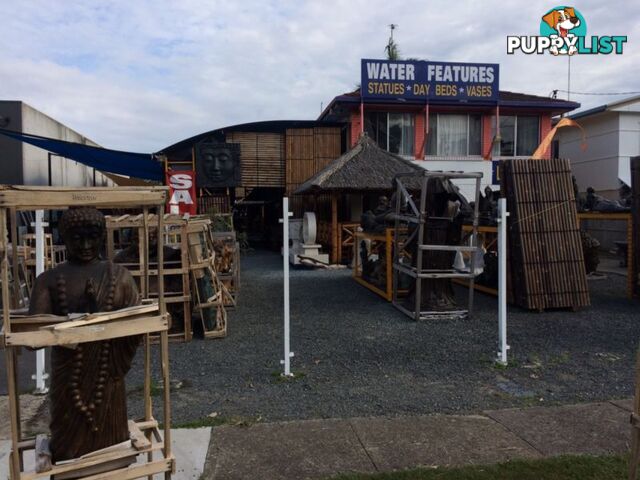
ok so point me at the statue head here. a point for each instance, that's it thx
(83, 231)
(218, 163)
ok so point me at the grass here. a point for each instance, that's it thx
(567, 467)
(278, 377)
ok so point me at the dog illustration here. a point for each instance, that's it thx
(562, 21)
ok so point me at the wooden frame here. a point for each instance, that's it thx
(202, 264)
(39, 331)
(620, 217)
(488, 244)
(231, 276)
(417, 215)
(346, 239)
(387, 240)
(175, 233)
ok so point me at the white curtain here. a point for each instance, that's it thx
(527, 135)
(452, 135)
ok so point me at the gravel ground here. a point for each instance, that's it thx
(355, 355)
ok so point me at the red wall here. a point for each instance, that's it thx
(355, 127)
(419, 145)
(545, 128)
(419, 134)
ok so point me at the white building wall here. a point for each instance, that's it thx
(597, 166)
(629, 138)
(64, 172)
(468, 165)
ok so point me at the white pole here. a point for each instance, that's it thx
(502, 280)
(285, 263)
(39, 225)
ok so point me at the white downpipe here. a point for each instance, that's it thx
(285, 263)
(502, 280)
(39, 225)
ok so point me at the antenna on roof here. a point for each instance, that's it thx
(392, 48)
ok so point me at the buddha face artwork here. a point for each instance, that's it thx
(217, 165)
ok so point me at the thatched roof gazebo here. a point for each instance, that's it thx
(364, 169)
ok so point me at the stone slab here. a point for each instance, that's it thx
(424, 441)
(190, 446)
(310, 449)
(594, 428)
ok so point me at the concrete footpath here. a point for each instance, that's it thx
(319, 449)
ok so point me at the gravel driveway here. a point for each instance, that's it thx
(355, 355)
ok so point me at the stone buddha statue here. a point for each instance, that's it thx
(87, 397)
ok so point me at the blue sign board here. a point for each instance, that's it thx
(425, 80)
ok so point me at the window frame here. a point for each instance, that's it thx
(405, 115)
(467, 154)
(516, 154)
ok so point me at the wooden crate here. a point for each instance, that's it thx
(48, 330)
(202, 266)
(227, 260)
(176, 237)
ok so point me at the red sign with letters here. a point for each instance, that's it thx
(182, 191)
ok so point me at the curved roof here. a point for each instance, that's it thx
(268, 126)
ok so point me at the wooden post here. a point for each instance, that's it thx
(164, 341)
(389, 234)
(10, 357)
(334, 227)
(14, 242)
(630, 249)
(634, 459)
(186, 288)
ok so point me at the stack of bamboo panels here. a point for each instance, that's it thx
(261, 158)
(545, 249)
(635, 214)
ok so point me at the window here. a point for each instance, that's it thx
(453, 135)
(392, 131)
(519, 136)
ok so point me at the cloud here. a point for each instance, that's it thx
(142, 75)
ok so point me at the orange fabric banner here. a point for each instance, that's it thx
(546, 142)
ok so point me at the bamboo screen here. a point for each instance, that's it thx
(546, 259)
(261, 158)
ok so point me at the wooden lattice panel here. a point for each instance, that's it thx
(545, 249)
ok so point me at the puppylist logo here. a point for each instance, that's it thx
(563, 31)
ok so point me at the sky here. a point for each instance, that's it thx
(140, 75)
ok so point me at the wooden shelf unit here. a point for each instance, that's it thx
(175, 235)
(41, 331)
